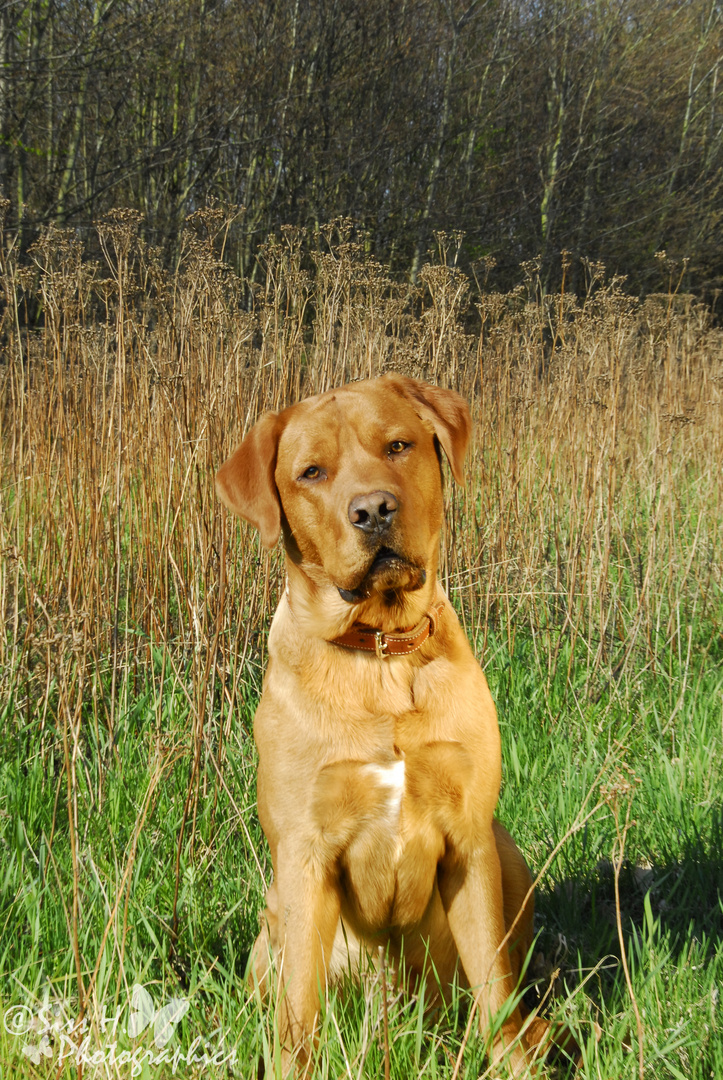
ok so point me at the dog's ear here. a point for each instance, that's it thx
(245, 483)
(448, 414)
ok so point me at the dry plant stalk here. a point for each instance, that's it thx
(624, 789)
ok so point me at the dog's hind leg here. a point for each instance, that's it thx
(545, 1039)
(518, 898)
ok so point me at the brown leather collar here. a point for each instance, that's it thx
(368, 639)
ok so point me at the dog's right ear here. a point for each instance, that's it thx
(245, 483)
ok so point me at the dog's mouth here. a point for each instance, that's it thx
(384, 558)
(388, 572)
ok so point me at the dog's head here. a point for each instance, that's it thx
(352, 477)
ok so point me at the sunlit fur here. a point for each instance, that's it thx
(378, 779)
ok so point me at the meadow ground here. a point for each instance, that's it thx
(583, 556)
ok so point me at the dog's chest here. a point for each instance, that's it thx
(385, 825)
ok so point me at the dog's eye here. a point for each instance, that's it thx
(398, 446)
(312, 473)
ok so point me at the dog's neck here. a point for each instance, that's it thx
(321, 612)
(386, 645)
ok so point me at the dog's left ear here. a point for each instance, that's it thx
(448, 414)
(245, 483)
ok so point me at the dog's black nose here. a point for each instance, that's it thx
(373, 513)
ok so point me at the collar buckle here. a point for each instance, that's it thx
(380, 644)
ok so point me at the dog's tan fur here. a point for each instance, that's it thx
(378, 778)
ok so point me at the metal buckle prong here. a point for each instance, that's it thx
(379, 644)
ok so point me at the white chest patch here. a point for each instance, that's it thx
(391, 777)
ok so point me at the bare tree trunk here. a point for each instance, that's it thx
(100, 12)
(433, 178)
(557, 102)
(690, 114)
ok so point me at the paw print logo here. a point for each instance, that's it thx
(144, 1013)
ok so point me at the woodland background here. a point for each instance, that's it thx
(535, 127)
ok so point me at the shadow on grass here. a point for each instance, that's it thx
(684, 895)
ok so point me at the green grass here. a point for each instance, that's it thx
(563, 752)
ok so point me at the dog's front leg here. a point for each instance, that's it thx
(308, 913)
(471, 891)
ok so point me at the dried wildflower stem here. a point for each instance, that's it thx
(385, 1009)
(618, 852)
(70, 754)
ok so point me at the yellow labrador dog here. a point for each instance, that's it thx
(379, 750)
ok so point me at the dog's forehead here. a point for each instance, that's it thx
(364, 411)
